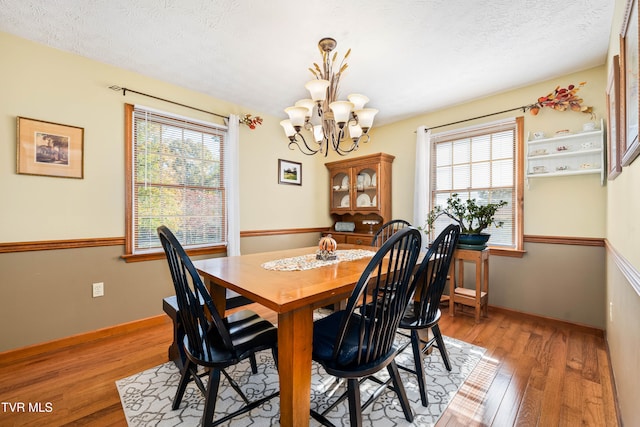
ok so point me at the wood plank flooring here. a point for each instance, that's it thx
(536, 372)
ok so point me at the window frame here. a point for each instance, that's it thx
(518, 185)
(153, 254)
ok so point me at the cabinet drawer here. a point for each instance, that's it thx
(359, 240)
(339, 238)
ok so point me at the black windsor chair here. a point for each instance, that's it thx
(387, 230)
(211, 341)
(356, 343)
(424, 313)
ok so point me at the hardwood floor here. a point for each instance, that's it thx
(536, 372)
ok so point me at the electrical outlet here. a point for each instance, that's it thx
(98, 289)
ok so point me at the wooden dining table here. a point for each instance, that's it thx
(293, 295)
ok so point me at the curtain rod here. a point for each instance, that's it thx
(125, 90)
(523, 108)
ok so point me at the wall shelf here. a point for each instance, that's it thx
(579, 153)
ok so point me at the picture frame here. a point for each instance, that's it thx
(629, 81)
(49, 149)
(289, 172)
(614, 167)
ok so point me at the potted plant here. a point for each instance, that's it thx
(472, 218)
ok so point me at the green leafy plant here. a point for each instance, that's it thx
(470, 216)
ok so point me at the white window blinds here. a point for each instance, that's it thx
(178, 180)
(478, 163)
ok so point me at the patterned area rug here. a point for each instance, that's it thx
(147, 396)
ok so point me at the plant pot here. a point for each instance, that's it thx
(476, 242)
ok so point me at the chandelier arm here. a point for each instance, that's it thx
(306, 150)
(364, 138)
(335, 142)
(344, 152)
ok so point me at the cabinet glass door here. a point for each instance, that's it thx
(340, 186)
(367, 187)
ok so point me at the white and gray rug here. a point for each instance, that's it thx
(147, 396)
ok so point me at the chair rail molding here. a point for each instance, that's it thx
(627, 269)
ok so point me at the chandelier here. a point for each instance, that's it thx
(335, 124)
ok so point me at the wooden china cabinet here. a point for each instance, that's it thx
(359, 193)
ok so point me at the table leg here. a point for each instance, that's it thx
(486, 286)
(479, 286)
(452, 287)
(295, 340)
(218, 295)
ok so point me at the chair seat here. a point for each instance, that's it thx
(249, 333)
(412, 320)
(324, 339)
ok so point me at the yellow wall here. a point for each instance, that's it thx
(573, 286)
(622, 300)
(565, 206)
(47, 84)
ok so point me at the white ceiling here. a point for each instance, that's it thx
(408, 56)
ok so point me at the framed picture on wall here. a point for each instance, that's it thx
(613, 115)
(289, 172)
(629, 80)
(49, 149)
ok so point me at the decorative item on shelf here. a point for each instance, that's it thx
(370, 223)
(562, 99)
(472, 218)
(345, 226)
(538, 135)
(327, 248)
(333, 119)
(251, 122)
(539, 169)
(588, 127)
(562, 132)
(562, 148)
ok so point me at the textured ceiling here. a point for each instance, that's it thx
(408, 56)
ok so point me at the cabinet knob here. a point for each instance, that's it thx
(359, 241)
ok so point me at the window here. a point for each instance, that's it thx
(482, 163)
(175, 177)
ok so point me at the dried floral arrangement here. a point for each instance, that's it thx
(252, 122)
(562, 99)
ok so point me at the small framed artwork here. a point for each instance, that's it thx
(289, 172)
(613, 114)
(629, 80)
(49, 149)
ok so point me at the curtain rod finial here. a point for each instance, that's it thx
(117, 88)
